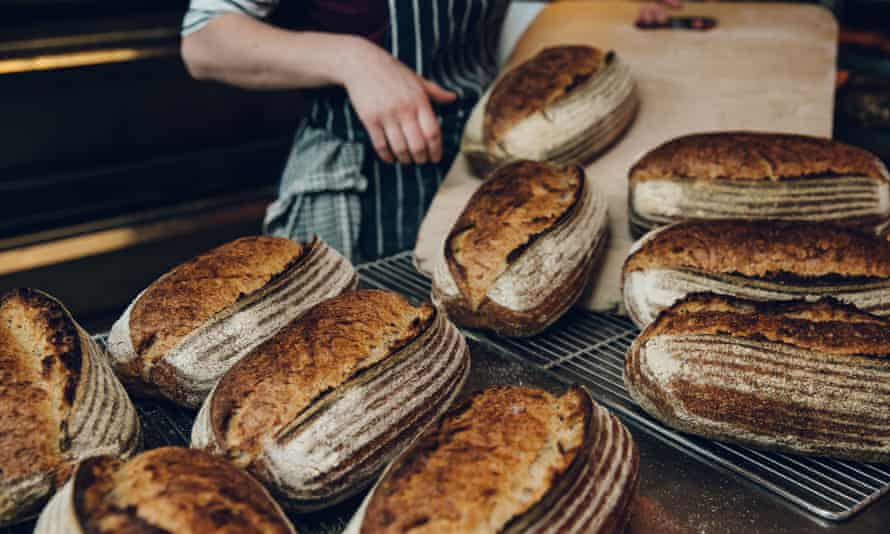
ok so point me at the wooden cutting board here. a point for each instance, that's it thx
(764, 67)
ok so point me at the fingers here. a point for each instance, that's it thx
(397, 142)
(437, 93)
(432, 134)
(378, 140)
(414, 135)
(652, 14)
(404, 129)
(415, 139)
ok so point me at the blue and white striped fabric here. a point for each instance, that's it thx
(333, 184)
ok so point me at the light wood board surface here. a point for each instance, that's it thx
(768, 67)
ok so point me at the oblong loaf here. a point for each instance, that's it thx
(192, 324)
(317, 410)
(170, 489)
(510, 459)
(805, 378)
(751, 175)
(523, 250)
(760, 260)
(566, 104)
(59, 402)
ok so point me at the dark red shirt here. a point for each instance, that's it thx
(368, 18)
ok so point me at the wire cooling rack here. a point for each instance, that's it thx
(590, 347)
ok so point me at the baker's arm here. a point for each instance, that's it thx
(391, 100)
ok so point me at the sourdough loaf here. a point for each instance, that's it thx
(510, 459)
(761, 260)
(751, 175)
(523, 249)
(193, 323)
(59, 402)
(317, 410)
(170, 489)
(801, 377)
(565, 105)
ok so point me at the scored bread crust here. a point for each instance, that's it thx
(170, 489)
(755, 260)
(193, 292)
(763, 248)
(535, 84)
(505, 321)
(59, 401)
(852, 332)
(192, 324)
(565, 105)
(801, 377)
(510, 459)
(755, 156)
(517, 205)
(531, 221)
(304, 412)
(332, 342)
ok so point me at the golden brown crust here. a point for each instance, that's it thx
(764, 249)
(190, 294)
(172, 489)
(519, 203)
(475, 468)
(828, 325)
(535, 84)
(313, 355)
(506, 322)
(40, 364)
(755, 156)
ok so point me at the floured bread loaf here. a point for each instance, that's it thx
(761, 260)
(193, 323)
(523, 249)
(170, 489)
(565, 105)
(317, 410)
(748, 175)
(510, 459)
(59, 402)
(807, 378)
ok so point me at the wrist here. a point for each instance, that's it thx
(353, 53)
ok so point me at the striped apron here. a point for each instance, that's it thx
(333, 184)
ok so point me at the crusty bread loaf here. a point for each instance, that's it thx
(59, 402)
(318, 409)
(522, 251)
(806, 378)
(762, 260)
(170, 489)
(752, 175)
(565, 105)
(510, 459)
(193, 323)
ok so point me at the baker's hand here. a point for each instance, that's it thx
(656, 12)
(393, 103)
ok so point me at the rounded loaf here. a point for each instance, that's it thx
(754, 175)
(510, 459)
(317, 410)
(522, 251)
(59, 402)
(193, 323)
(800, 377)
(761, 260)
(565, 104)
(170, 489)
